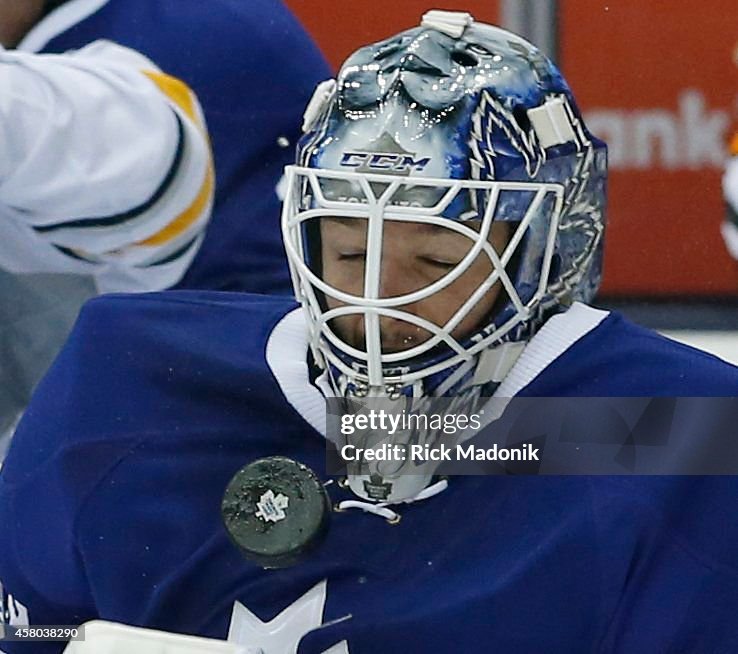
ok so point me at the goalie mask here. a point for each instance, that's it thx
(447, 199)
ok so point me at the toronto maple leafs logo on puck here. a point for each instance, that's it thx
(271, 507)
(254, 510)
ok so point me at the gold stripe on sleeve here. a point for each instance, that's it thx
(180, 94)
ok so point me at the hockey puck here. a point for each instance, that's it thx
(276, 510)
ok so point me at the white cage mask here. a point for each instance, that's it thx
(378, 361)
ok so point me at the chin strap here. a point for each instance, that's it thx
(382, 509)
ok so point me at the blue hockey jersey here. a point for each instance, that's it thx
(110, 501)
(254, 69)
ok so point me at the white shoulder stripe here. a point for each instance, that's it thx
(58, 22)
(554, 338)
(286, 354)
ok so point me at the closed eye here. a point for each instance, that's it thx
(439, 263)
(351, 256)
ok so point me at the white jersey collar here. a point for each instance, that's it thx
(286, 355)
(58, 22)
(553, 339)
(287, 348)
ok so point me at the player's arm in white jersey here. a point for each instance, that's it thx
(105, 168)
(730, 193)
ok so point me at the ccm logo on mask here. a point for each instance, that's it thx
(384, 161)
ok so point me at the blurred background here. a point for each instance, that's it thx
(656, 80)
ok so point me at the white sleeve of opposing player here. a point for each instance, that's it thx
(730, 183)
(729, 227)
(105, 159)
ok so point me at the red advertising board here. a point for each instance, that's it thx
(655, 80)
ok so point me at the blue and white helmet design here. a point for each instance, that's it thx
(457, 124)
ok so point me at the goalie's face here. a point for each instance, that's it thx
(413, 256)
(405, 277)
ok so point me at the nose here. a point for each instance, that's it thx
(394, 278)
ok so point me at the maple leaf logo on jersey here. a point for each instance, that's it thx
(282, 634)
